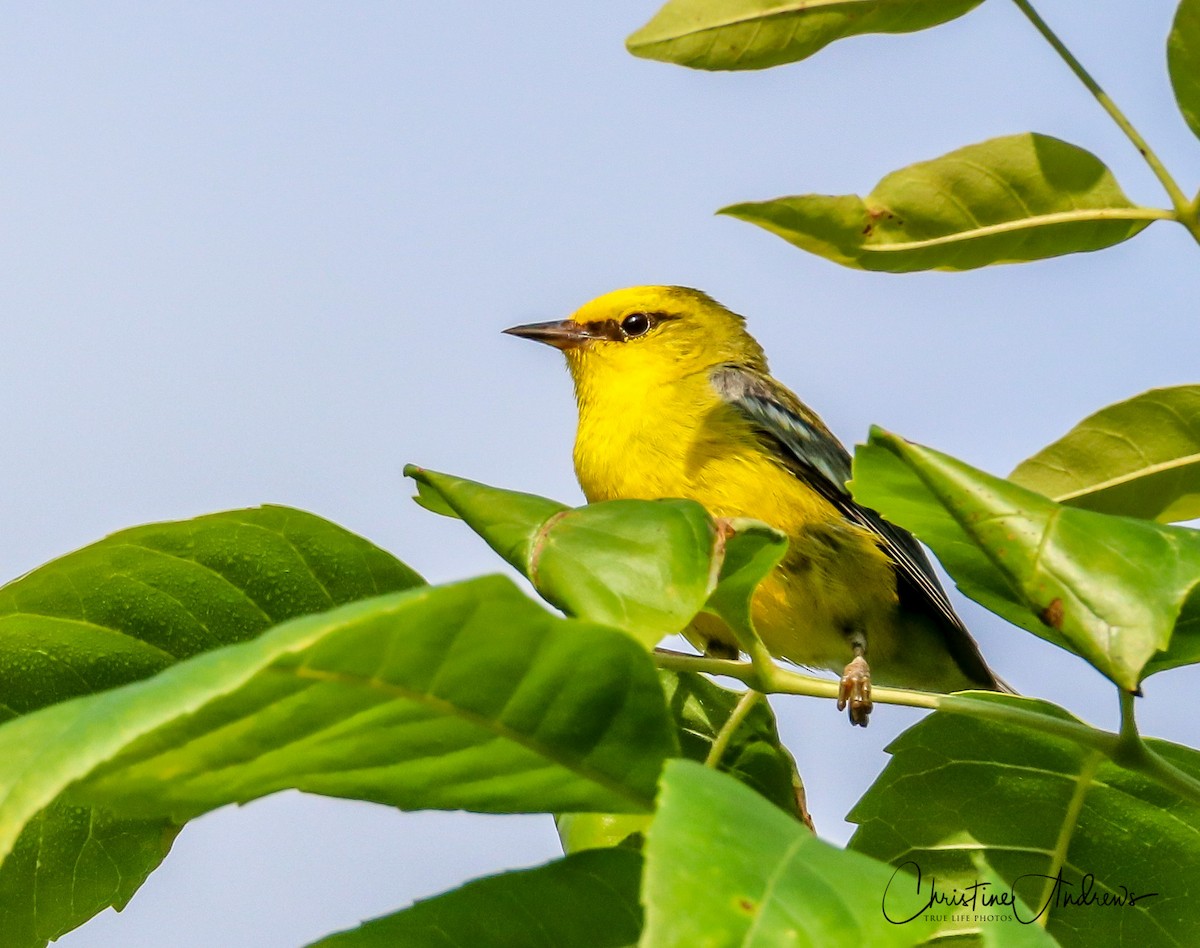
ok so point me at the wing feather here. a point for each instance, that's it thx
(816, 456)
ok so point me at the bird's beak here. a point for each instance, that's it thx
(565, 334)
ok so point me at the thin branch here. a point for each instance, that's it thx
(1185, 211)
(1133, 754)
(740, 711)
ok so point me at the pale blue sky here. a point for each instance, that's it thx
(263, 252)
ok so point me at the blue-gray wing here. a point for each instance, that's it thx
(815, 455)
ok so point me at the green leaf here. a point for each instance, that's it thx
(71, 863)
(1107, 588)
(960, 788)
(507, 519)
(755, 34)
(645, 566)
(751, 550)
(133, 603)
(725, 867)
(588, 900)
(120, 610)
(459, 697)
(1007, 200)
(1137, 458)
(1183, 61)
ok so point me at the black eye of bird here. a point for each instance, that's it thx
(635, 324)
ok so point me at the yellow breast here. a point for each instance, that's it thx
(681, 440)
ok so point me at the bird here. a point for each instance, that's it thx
(675, 400)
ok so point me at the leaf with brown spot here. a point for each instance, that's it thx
(1120, 584)
(1007, 200)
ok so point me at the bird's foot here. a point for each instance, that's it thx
(855, 690)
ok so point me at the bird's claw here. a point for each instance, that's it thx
(855, 690)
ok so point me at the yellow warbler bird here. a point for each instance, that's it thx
(675, 400)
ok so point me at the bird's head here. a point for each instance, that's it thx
(647, 335)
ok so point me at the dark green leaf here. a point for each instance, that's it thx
(755, 34)
(121, 610)
(1007, 200)
(71, 863)
(466, 696)
(701, 710)
(960, 788)
(1185, 641)
(1183, 61)
(645, 566)
(130, 605)
(587, 900)
(754, 754)
(725, 867)
(1108, 588)
(1138, 458)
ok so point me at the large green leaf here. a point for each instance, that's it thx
(725, 867)
(1007, 200)
(123, 609)
(959, 788)
(135, 602)
(645, 566)
(1183, 61)
(461, 697)
(1139, 458)
(1107, 588)
(755, 34)
(587, 900)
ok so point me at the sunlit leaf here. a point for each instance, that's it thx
(580, 831)
(725, 867)
(645, 566)
(1139, 458)
(120, 610)
(587, 900)
(1183, 61)
(1108, 588)
(755, 34)
(1032, 804)
(1007, 200)
(467, 696)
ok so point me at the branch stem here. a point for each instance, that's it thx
(1186, 212)
(740, 711)
(1126, 749)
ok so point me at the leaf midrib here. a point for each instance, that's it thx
(787, 10)
(1149, 470)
